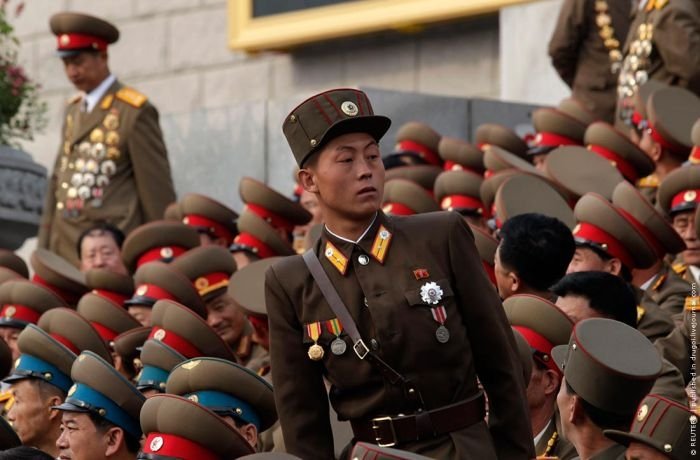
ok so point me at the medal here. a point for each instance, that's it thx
(315, 351)
(338, 346)
(440, 315)
(431, 293)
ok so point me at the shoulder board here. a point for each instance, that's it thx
(107, 101)
(660, 4)
(659, 282)
(131, 97)
(679, 268)
(692, 303)
(77, 97)
(640, 313)
(651, 180)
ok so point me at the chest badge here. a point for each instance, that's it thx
(315, 351)
(421, 273)
(431, 293)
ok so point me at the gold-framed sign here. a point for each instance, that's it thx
(257, 25)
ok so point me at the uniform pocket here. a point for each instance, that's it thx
(430, 293)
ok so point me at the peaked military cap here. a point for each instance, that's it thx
(269, 456)
(486, 245)
(6, 361)
(680, 190)
(641, 97)
(695, 137)
(183, 330)
(226, 388)
(128, 344)
(458, 154)
(555, 129)
(74, 332)
(101, 390)
(500, 136)
(661, 424)
(580, 171)
(491, 184)
(325, 116)
(157, 359)
(525, 193)
(363, 450)
(172, 212)
(8, 436)
(247, 286)
(423, 175)
(208, 215)
(42, 357)
(403, 197)
(496, 159)
(6, 275)
(275, 208)
(421, 139)
(525, 353)
(160, 240)
(107, 317)
(603, 139)
(609, 364)
(208, 268)
(156, 280)
(57, 274)
(460, 190)
(655, 228)
(78, 32)
(206, 437)
(541, 323)
(671, 113)
(605, 227)
(12, 261)
(575, 108)
(259, 238)
(110, 285)
(23, 302)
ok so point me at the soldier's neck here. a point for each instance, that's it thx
(590, 441)
(541, 416)
(349, 229)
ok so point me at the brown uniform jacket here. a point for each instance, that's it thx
(399, 325)
(580, 57)
(652, 321)
(561, 448)
(677, 346)
(668, 291)
(112, 166)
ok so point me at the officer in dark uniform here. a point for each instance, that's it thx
(425, 330)
(112, 164)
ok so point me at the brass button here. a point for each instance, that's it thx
(374, 344)
(313, 142)
(363, 259)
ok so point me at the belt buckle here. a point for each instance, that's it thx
(360, 349)
(376, 427)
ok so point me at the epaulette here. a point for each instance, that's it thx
(692, 303)
(245, 346)
(679, 268)
(651, 181)
(655, 5)
(77, 97)
(659, 282)
(131, 97)
(107, 102)
(640, 313)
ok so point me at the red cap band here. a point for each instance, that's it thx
(106, 333)
(298, 190)
(211, 282)
(211, 226)
(174, 341)
(541, 344)
(161, 253)
(111, 295)
(270, 217)
(694, 155)
(667, 144)
(644, 230)
(169, 445)
(463, 202)
(153, 292)
(620, 163)
(686, 196)
(20, 312)
(591, 233)
(69, 297)
(546, 139)
(80, 41)
(637, 118)
(424, 152)
(259, 248)
(397, 209)
(64, 341)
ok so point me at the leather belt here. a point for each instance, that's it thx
(390, 431)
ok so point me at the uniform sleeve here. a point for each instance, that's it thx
(149, 158)
(300, 395)
(49, 210)
(675, 348)
(677, 38)
(566, 39)
(493, 346)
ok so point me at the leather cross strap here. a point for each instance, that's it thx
(361, 350)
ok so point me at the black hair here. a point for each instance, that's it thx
(99, 229)
(601, 418)
(24, 453)
(606, 293)
(625, 272)
(133, 445)
(537, 247)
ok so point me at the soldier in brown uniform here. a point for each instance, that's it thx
(663, 44)
(586, 51)
(112, 164)
(428, 320)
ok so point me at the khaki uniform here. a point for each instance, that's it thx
(668, 291)
(380, 280)
(112, 166)
(652, 321)
(581, 48)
